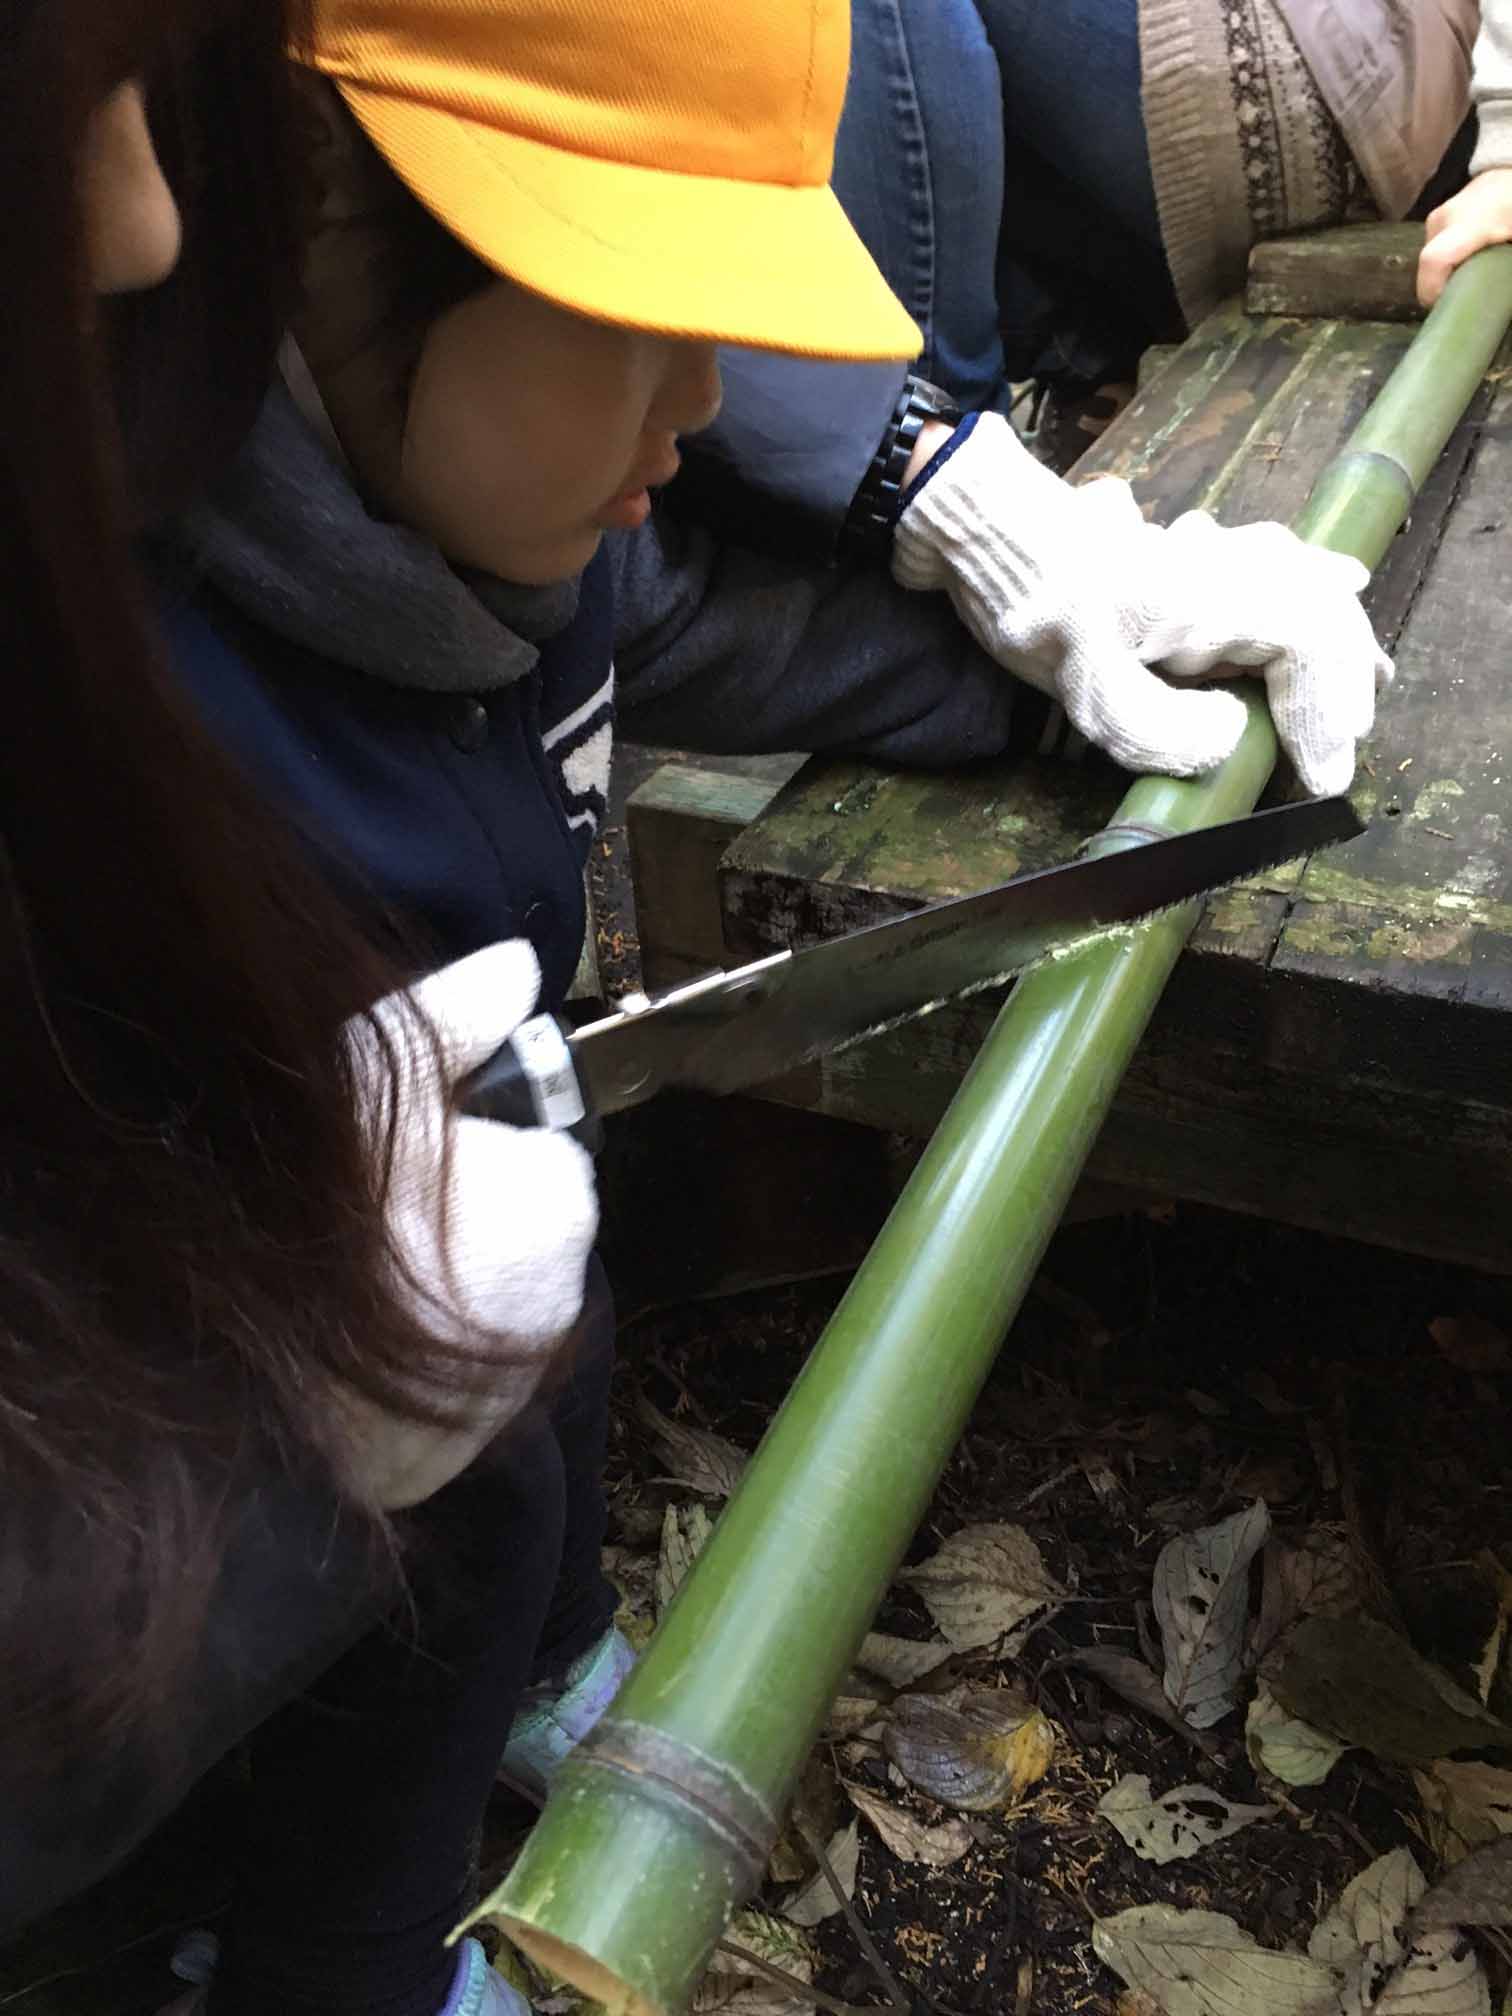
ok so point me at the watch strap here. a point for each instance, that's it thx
(868, 529)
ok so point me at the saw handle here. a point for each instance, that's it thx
(531, 1082)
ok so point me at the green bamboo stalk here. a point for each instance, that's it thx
(660, 1825)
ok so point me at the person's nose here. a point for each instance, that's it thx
(691, 394)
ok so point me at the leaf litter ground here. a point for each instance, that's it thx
(1200, 1364)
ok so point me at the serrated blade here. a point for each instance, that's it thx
(742, 1027)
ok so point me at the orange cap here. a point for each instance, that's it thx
(659, 163)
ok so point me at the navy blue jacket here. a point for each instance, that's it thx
(442, 813)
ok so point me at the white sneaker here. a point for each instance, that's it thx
(550, 1726)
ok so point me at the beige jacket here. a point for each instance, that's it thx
(1396, 76)
(1263, 115)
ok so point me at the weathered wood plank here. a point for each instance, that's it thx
(1359, 272)
(1419, 911)
(1197, 417)
(678, 825)
(1382, 1173)
(1442, 763)
(847, 843)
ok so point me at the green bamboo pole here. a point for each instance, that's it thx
(659, 1826)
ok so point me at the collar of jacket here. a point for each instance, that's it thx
(288, 539)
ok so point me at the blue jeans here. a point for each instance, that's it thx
(993, 157)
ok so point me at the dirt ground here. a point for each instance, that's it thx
(1169, 1367)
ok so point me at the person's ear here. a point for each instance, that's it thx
(338, 155)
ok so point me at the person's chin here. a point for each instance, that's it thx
(549, 563)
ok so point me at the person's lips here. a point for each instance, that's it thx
(629, 508)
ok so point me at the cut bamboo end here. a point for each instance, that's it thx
(579, 1970)
(687, 1842)
(560, 1962)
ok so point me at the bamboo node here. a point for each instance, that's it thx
(672, 1773)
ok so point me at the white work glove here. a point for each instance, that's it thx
(504, 1249)
(1069, 587)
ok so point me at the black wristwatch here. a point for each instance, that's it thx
(867, 532)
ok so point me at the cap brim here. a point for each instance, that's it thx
(769, 267)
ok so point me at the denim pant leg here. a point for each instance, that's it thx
(1082, 278)
(1072, 94)
(919, 170)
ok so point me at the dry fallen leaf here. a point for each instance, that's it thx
(1362, 1682)
(1467, 1805)
(901, 1662)
(733, 1990)
(1276, 1479)
(852, 1715)
(1135, 2002)
(685, 1528)
(1383, 1967)
(979, 1752)
(1202, 1607)
(908, 1837)
(817, 1901)
(1103, 1480)
(510, 1964)
(1499, 1694)
(1199, 1963)
(814, 1813)
(1175, 1514)
(1178, 1823)
(1286, 1748)
(1493, 1670)
(633, 1574)
(1471, 1344)
(986, 1584)
(1318, 1577)
(1438, 1976)
(636, 1524)
(1476, 1892)
(1135, 1683)
(1263, 1390)
(696, 1458)
(1371, 1911)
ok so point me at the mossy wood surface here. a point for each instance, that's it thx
(1336, 1047)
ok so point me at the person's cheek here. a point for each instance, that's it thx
(595, 451)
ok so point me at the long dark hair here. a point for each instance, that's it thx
(192, 1257)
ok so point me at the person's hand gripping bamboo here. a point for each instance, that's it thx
(1069, 587)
